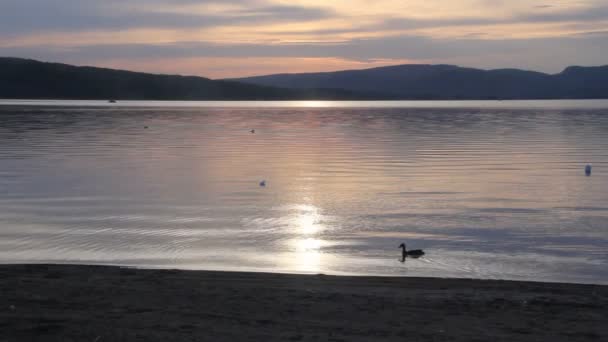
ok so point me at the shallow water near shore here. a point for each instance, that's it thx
(492, 189)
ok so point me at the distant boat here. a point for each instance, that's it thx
(112, 101)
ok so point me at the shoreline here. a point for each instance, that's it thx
(109, 303)
(264, 272)
(520, 104)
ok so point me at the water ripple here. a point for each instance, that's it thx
(488, 190)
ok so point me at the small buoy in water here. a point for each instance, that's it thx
(588, 170)
(263, 183)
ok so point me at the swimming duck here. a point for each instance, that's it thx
(588, 170)
(416, 253)
(263, 183)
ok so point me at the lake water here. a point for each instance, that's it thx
(488, 189)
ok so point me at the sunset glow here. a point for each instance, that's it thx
(220, 39)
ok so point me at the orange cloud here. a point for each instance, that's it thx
(240, 67)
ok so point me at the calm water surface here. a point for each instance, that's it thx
(487, 189)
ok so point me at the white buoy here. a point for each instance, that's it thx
(588, 170)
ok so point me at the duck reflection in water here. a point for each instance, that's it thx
(416, 253)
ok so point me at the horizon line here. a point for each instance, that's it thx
(303, 73)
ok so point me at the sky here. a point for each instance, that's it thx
(235, 38)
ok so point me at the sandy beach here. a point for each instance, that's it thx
(96, 303)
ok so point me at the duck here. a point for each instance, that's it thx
(588, 170)
(415, 253)
(252, 131)
(263, 183)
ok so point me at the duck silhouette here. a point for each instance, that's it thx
(415, 253)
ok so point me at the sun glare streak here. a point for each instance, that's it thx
(310, 244)
(307, 224)
(308, 255)
(315, 104)
(308, 220)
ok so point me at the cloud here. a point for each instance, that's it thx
(27, 16)
(547, 20)
(539, 54)
(587, 15)
(520, 33)
(593, 13)
(603, 33)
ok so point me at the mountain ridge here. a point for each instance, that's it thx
(31, 79)
(444, 81)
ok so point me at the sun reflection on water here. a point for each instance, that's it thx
(308, 223)
(313, 104)
(307, 246)
(308, 256)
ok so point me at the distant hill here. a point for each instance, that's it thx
(29, 79)
(451, 82)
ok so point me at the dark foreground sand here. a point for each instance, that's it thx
(89, 303)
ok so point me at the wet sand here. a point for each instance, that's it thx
(95, 303)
